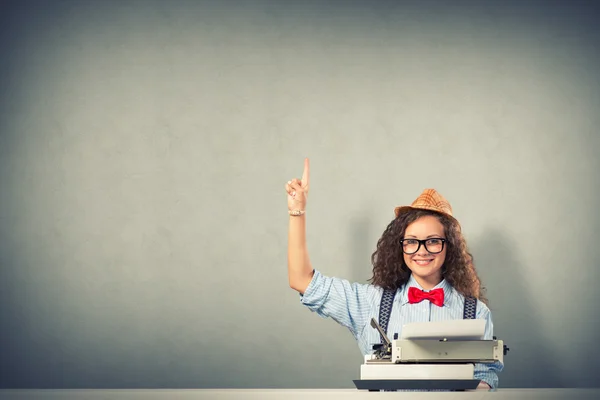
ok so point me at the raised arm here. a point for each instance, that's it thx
(300, 271)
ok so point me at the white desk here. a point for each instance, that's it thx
(293, 394)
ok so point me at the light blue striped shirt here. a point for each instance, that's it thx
(354, 304)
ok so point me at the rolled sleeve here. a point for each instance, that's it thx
(338, 299)
(487, 372)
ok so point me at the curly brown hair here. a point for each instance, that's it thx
(390, 270)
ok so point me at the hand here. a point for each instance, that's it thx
(297, 190)
(483, 385)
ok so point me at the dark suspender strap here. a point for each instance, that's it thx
(470, 308)
(385, 309)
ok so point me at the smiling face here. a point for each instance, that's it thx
(426, 266)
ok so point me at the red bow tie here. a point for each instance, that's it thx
(436, 296)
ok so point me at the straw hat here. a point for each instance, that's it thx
(430, 199)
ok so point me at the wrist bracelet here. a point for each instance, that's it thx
(296, 213)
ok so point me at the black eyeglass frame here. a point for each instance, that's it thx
(423, 243)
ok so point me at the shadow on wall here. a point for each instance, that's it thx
(529, 362)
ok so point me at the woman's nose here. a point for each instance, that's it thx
(423, 251)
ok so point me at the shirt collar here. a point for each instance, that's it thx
(412, 282)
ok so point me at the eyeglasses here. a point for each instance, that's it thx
(432, 245)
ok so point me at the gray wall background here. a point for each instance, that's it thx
(144, 148)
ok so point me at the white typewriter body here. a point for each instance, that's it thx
(442, 353)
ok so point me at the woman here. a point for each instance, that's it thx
(422, 253)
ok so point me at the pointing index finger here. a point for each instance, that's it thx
(305, 174)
